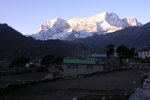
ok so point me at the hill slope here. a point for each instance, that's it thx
(13, 44)
(131, 37)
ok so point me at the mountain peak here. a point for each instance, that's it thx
(57, 19)
(102, 23)
(51, 23)
(102, 15)
(133, 21)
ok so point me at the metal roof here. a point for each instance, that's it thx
(98, 55)
(79, 61)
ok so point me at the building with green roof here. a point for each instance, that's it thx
(73, 67)
(79, 61)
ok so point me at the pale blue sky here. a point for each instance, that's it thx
(27, 15)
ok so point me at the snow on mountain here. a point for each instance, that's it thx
(53, 29)
(83, 27)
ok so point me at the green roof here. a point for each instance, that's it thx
(78, 61)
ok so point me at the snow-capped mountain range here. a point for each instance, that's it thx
(103, 23)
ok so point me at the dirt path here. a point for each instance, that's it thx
(113, 83)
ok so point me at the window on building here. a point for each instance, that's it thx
(89, 67)
(72, 67)
(144, 52)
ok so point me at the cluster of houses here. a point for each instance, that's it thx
(94, 63)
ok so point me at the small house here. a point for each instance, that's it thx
(72, 67)
(100, 58)
(144, 53)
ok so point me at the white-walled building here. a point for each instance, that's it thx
(144, 53)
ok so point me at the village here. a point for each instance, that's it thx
(91, 75)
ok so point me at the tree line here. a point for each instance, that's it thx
(46, 60)
(121, 51)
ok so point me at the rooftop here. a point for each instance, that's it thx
(79, 61)
(103, 55)
(147, 48)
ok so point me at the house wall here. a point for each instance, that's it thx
(143, 54)
(141, 66)
(82, 69)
